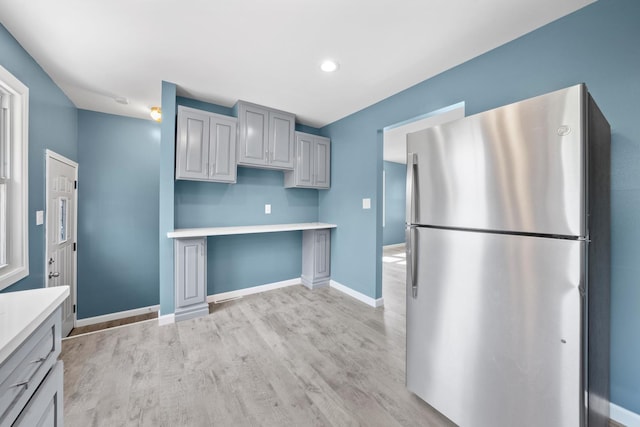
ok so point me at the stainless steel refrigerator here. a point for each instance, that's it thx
(508, 264)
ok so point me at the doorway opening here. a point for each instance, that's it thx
(394, 197)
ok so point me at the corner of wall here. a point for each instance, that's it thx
(166, 211)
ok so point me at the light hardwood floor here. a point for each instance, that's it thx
(289, 357)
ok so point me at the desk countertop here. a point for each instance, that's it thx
(22, 312)
(246, 229)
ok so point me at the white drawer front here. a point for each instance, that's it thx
(24, 370)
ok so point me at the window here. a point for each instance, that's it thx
(14, 250)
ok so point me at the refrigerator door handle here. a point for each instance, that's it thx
(412, 163)
(412, 253)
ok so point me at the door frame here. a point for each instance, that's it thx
(52, 155)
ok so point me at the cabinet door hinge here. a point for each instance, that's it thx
(75, 185)
(75, 246)
(74, 308)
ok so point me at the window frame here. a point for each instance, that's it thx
(17, 182)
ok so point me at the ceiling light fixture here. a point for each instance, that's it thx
(156, 114)
(329, 66)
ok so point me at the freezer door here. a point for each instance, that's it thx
(516, 168)
(494, 327)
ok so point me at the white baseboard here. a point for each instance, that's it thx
(624, 416)
(357, 295)
(166, 319)
(116, 316)
(253, 290)
(395, 245)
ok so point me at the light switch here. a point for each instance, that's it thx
(39, 217)
(366, 203)
(267, 209)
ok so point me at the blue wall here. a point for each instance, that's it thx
(52, 125)
(394, 201)
(237, 262)
(598, 45)
(117, 213)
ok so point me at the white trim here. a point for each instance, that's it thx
(18, 267)
(357, 295)
(116, 316)
(624, 416)
(215, 298)
(49, 155)
(395, 245)
(166, 319)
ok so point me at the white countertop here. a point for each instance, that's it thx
(22, 312)
(246, 229)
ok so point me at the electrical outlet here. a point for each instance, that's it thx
(366, 203)
(267, 209)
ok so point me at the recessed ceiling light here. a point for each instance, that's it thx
(329, 66)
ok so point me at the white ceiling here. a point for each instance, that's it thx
(267, 52)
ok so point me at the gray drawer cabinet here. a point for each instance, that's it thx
(312, 168)
(31, 376)
(191, 278)
(265, 137)
(46, 406)
(205, 146)
(316, 258)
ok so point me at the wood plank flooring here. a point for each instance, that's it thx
(288, 357)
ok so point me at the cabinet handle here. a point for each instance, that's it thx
(24, 384)
(39, 360)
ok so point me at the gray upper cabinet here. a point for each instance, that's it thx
(205, 146)
(312, 167)
(265, 137)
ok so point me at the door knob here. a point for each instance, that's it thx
(52, 274)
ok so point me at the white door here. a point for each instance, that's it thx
(62, 197)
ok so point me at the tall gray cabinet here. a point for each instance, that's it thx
(190, 278)
(265, 137)
(312, 168)
(205, 146)
(316, 258)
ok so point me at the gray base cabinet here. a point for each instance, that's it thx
(316, 258)
(45, 409)
(205, 146)
(265, 137)
(190, 278)
(31, 379)
(312, 167)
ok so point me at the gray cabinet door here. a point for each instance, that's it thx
(322, 162)
(46, 406)
(253, 142)
(265, 137)
(190, 273)
(312, 168)
(304, 159)
(222, 149)
(322, 264)
(316, 258)
(281, 129)
(192, 147)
